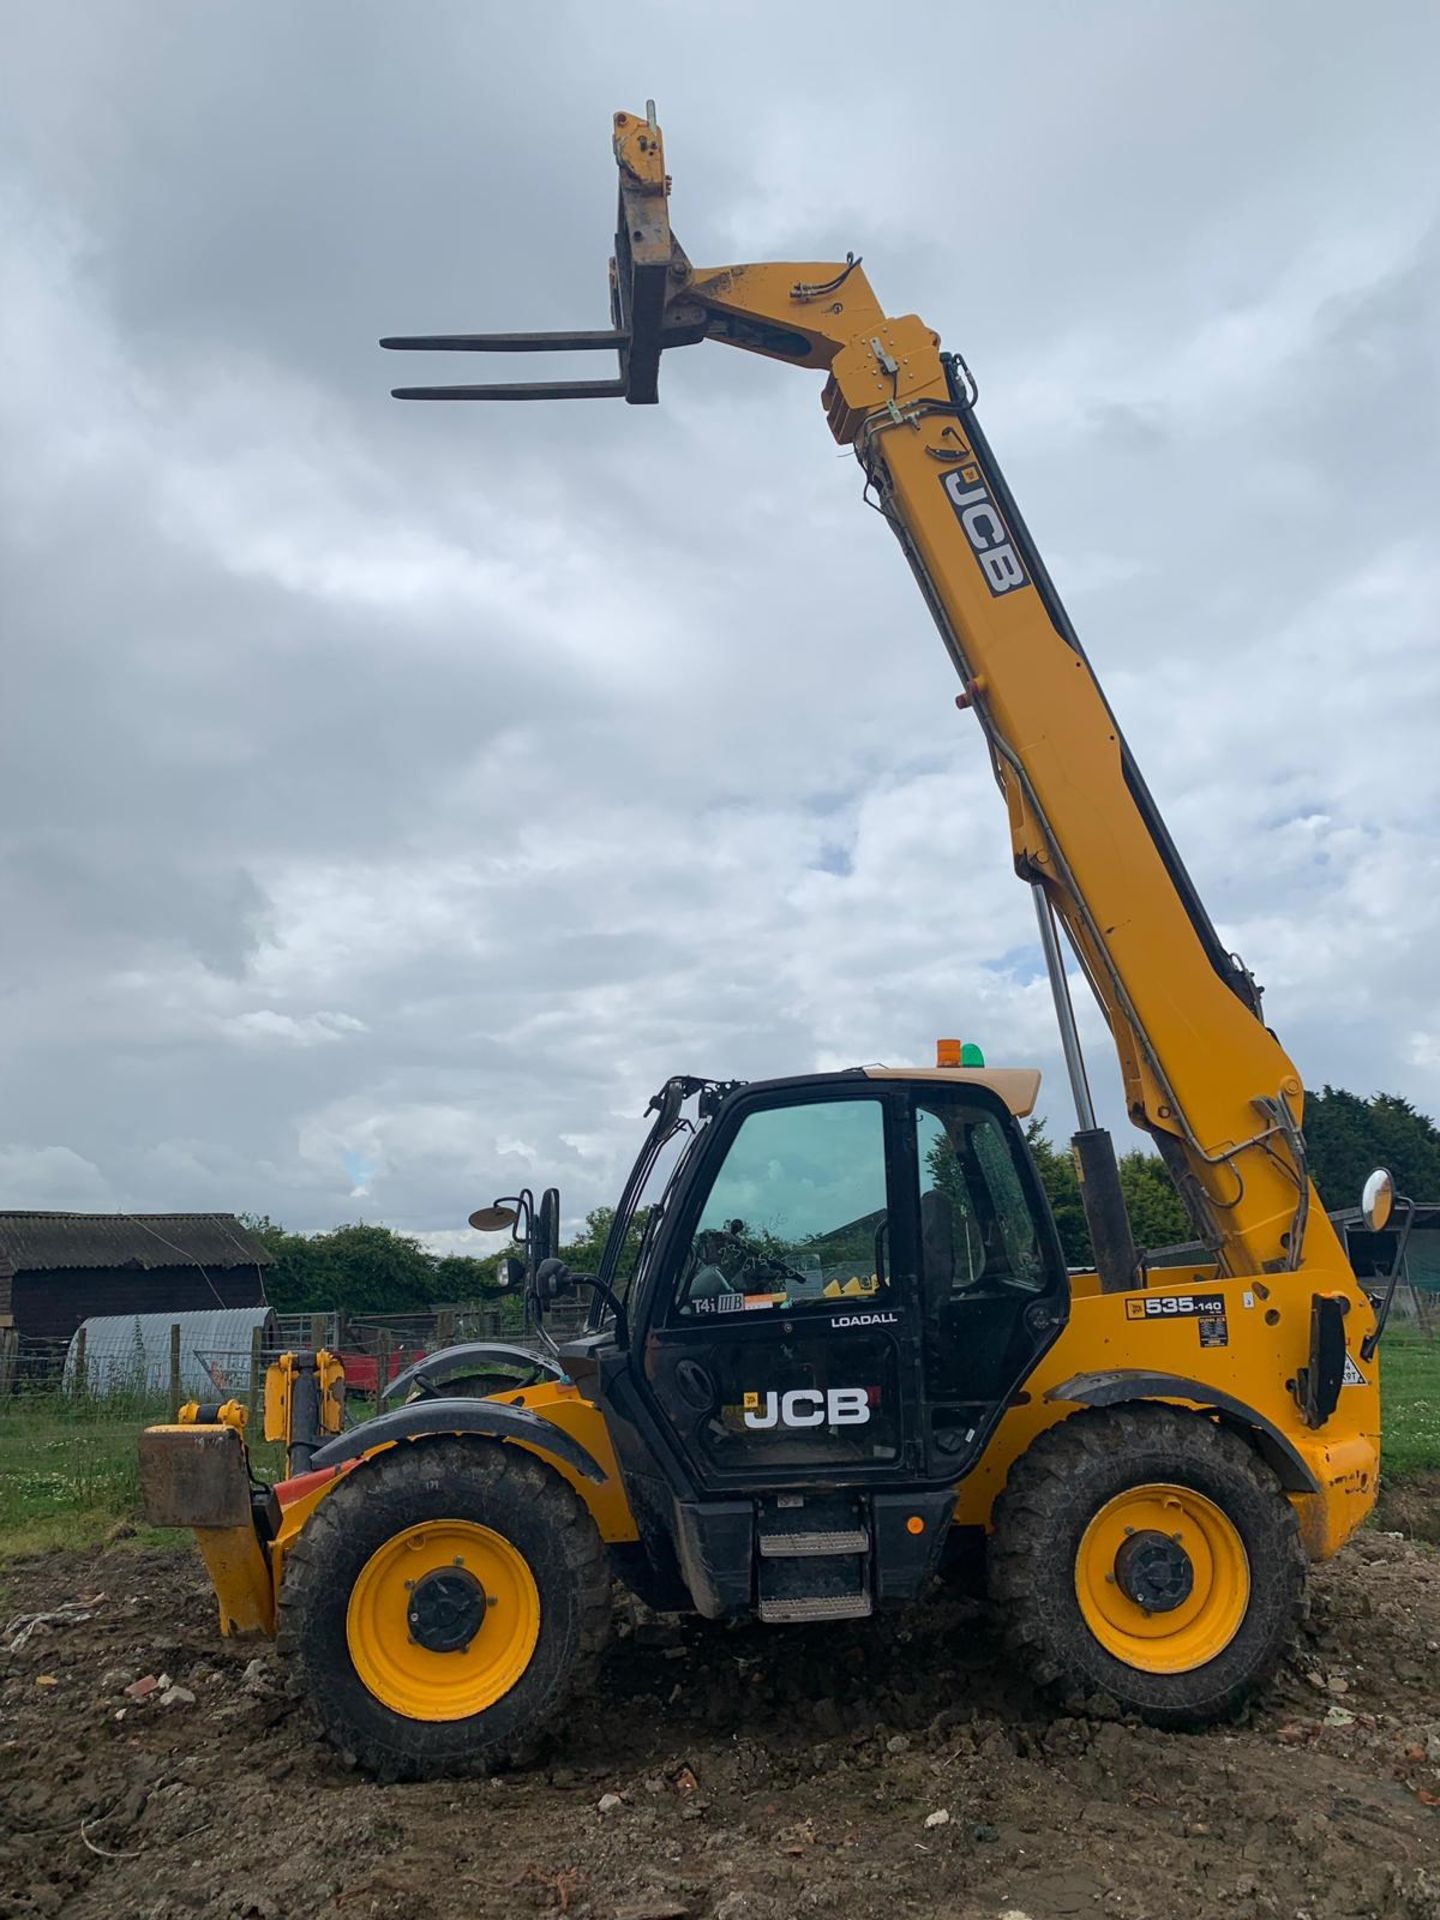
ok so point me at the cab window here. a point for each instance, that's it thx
(796, 1215)
(977, 1231)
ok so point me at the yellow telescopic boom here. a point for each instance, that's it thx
(1203, 1075)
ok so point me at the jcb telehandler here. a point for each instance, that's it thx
(849, 1341)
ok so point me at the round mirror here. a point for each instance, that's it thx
(492, 1219)
(1377, 1202)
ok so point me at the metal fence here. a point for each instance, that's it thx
(154, 1357)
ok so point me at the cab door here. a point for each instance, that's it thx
(992, 1284)
(782, 1346)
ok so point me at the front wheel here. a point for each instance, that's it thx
(441, 1604)
(1147, 1554)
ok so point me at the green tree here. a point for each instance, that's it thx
(583, 1253)
(1157, 1214)
(364, 1268)
(1349, 1136)
(1157, 1217)
(1062, 1188)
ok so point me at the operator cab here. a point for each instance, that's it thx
(851, 1275)
(842, 1286)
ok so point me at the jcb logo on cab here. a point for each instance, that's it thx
(808, 1407)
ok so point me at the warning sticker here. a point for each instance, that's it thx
(1214, 1330)
(1352, 1376)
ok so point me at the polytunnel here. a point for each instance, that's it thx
(130, 1352)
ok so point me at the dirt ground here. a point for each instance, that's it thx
(760, 1773)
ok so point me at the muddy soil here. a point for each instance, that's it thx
(756, 1774)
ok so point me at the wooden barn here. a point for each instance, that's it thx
(57, 1269)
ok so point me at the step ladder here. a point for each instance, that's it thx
(814, 1557)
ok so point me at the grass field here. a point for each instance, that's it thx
(1410, 1403)
(68, 1473)
(69, 1470)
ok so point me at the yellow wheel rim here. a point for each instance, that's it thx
(1175, 1638)
(413, 1679)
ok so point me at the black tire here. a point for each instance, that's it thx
(483, 1481)
(1055, 1490)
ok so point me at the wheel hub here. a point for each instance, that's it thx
(446, 1610)
(1154, 1570)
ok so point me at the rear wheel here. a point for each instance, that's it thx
(1147, 1554)
(441, 1605)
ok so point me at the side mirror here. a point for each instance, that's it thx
(1377, 1202)
(547, 1226)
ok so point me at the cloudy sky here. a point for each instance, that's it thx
(394, 796)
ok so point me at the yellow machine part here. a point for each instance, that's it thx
(1267, 1328)
(240, 1574)
(567, 1408)
(561, 1406)
(410, 1679)
(330, 1383)
(279, 1381)
(231, 1413)
(1213, 1612)
(196, 1474)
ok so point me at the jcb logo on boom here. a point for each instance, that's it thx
(808, 1407)
(989, 537)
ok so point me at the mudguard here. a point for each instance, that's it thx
(493, 1418)
(1112, 1389)
(449, 1361)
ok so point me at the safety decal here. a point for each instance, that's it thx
(1214, 1329)
(738, 1302)
(1352, 1376)
(855, 1287)
(1207, 1308)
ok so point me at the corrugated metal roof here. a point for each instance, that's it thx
(41, 1242)
(130, 1352)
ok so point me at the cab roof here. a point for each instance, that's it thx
(1018, 1087)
